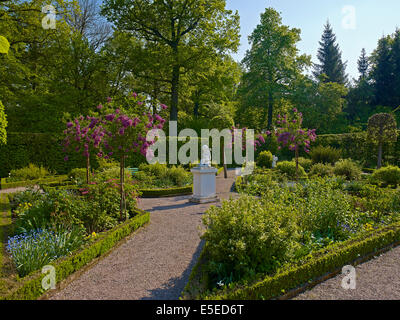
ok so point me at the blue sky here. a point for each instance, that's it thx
(373, 18)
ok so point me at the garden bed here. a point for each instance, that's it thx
(294, 279)
(30, 286)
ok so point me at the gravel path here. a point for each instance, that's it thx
(377, 279)
(156, 262)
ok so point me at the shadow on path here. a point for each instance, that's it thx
(172, 289)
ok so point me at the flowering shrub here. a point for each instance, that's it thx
(290, 134)
(125, 130)
(84, 136)
(33, 250)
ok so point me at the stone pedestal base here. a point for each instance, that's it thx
(204, 185)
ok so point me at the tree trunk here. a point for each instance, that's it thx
(270, 110)
(380, 155)
(224, 160)
(175, 85)
(122, 190)
(196, 109)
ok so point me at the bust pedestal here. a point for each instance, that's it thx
(204, 185)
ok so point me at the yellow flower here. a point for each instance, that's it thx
(94, 234)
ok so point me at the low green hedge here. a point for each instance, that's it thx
(30, 287)
(320, 263)
(9, 185)
(169, 192)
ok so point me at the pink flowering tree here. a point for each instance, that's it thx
(83, 136)
(124, 129)
(291, 135)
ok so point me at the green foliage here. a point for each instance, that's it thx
(31, 172)
(264, 159)
(325, 155)
(289, 169)
(325, 211)
(161, 176)
(305, 163)
(347, 168)
(321, 170)
(274, 58)
(3, 125)
(78, 175)
(389, 175)
(4, 45)
(246, 236)
(166, 192)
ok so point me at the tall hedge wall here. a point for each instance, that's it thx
(38, 148)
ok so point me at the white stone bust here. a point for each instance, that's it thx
(274, 161)
(205, 156)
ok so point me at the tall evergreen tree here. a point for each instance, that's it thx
(331, 67)
(363, 64)
(395, 61)
(382, 73)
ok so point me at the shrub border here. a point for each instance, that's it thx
(320, 266)
(31, 285)
(9, 185)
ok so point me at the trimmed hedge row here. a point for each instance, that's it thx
(169, 192)
(317, 265)
(30, 287)
(9, 185)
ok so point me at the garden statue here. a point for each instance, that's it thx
(205, 156)
(274, 160)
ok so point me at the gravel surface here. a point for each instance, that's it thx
(156, 262)
(377, 279)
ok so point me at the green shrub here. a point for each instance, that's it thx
(321, 170)
(179, 176)
(264, 159)
(325, 155)
(348, 169)
(246, 236)
(31, 172)
(78, 175)
(161, 176)
(325, 211)
(305, 163)
(389, 175)
(289, 169)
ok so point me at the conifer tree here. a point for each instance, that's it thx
(331, 67)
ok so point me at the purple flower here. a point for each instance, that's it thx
(66, 158)
(109, 100)
(110, 117)
(100, 106)
(70, 125)
(163, 106)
